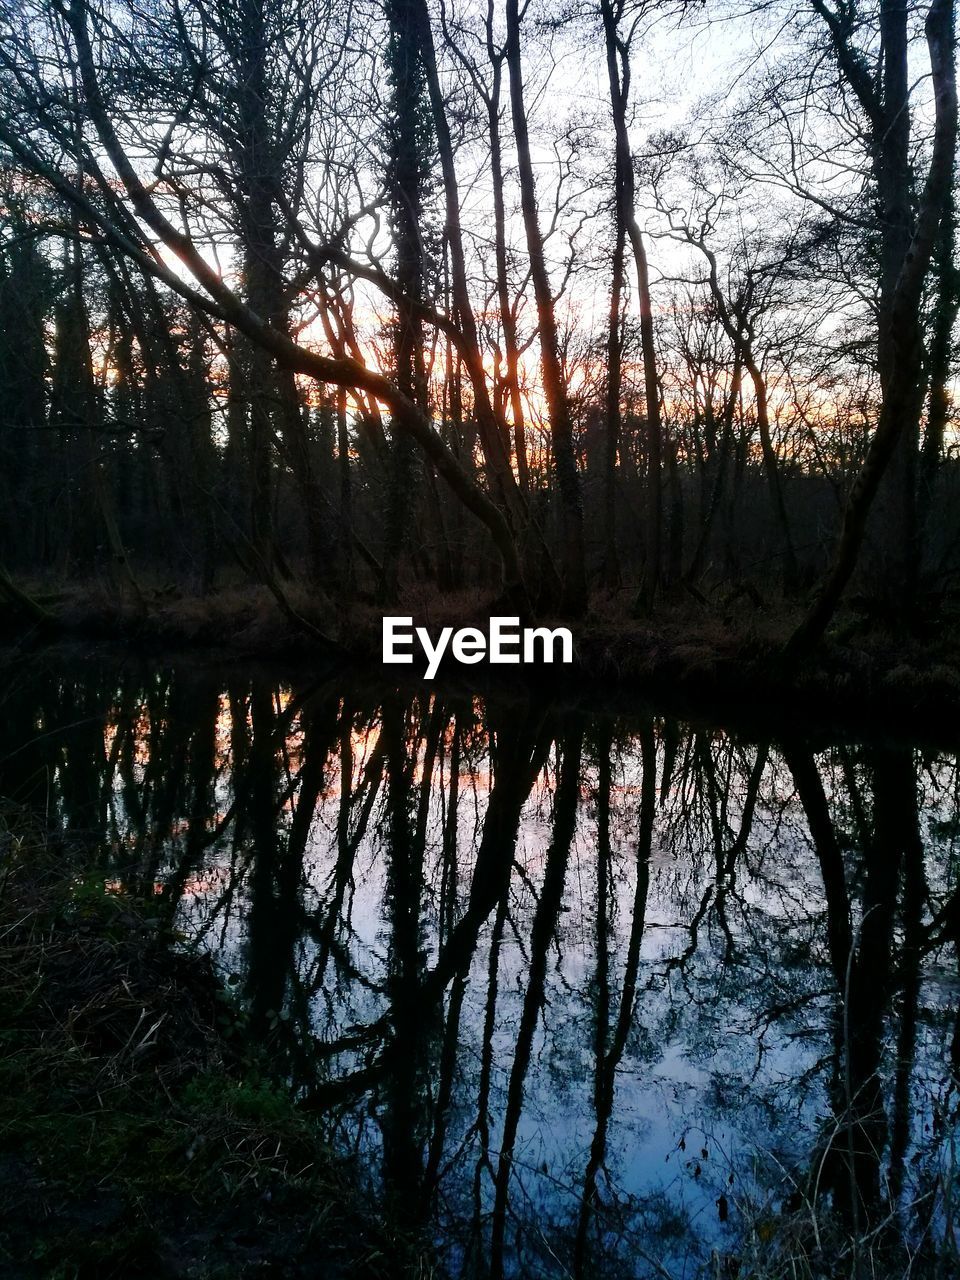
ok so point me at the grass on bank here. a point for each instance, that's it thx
(141, 1134)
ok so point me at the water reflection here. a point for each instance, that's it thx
(591, 996)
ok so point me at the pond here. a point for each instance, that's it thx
(586, 993)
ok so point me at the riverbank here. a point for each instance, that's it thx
(143, 1131)
(724, 659)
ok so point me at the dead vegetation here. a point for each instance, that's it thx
(142, 1134)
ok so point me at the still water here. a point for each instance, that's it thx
(587, 994)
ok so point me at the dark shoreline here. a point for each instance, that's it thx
(701, 669)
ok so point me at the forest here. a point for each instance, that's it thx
(554, 307)
(621, 335)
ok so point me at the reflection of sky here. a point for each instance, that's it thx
(724, 1051)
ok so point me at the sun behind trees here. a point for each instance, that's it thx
(358, 298)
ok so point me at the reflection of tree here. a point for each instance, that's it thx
(610, 1051)
(402, 1117)
(869, 971)
(437, 926)
(701, 770)
(353, 815)
(542, 932)
(195, 755)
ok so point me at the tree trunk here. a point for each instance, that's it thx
(554, 388)
(905, 264)
(618, 75)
